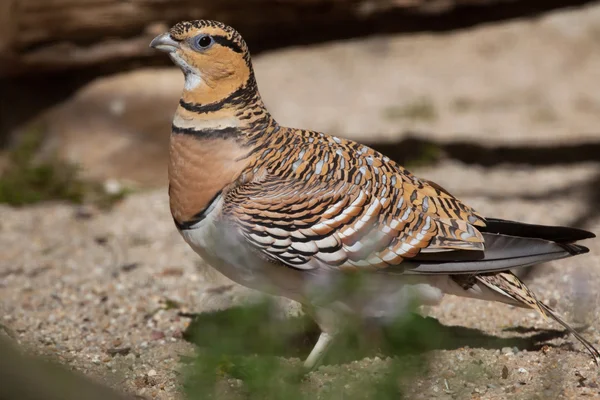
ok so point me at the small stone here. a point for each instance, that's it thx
(449, 374)
(507, 351)
(101, 240)
(152, 373)
(112, 187)
(157, 335)
(123, 351)
(139, 382)
(238, 383)
(522, 371)
(129, 267)
(580, 379)
(510, 389)
(178, 334)
(84, 212)
(172, 271)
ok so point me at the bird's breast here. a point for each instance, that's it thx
(199, 169)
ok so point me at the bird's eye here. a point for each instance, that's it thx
(203, 42)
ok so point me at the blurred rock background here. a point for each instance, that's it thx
(81, 72)
(497, 100)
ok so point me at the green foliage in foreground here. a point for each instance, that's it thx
(244, 353)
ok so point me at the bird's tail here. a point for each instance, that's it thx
(508, 245)
(517, 293)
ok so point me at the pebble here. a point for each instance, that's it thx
(157, 335)
(112, 186)
(118, 351)
(152, 373)
(509, 351)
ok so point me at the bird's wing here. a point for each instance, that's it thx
(322, 201)
(306, 224)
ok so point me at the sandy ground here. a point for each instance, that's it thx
(96, 289)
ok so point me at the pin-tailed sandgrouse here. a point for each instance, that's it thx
(292, 212)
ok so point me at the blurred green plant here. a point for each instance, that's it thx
(27, 180)
(24, 181)
(421, 109)
(244, 352)
(427, 154)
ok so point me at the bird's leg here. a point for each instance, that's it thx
(318, 352)
(330, 320)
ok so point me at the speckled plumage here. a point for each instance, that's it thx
(289, 211)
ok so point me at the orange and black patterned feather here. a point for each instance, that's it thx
(310, 199)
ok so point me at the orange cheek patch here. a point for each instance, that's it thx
(221, 72)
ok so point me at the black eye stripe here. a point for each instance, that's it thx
(224, 41)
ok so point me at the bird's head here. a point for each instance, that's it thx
(213, 56)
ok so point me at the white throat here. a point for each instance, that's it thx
(192, 75)
(192, 81)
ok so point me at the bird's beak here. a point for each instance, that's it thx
(164, 43)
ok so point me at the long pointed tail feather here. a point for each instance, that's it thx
(589, 347)
(558, 234)
(507, 284)
(509, 244)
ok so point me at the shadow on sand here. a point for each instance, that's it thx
(295, 337)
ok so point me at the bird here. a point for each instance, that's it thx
(293, 212)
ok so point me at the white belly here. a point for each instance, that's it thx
(223, 249)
